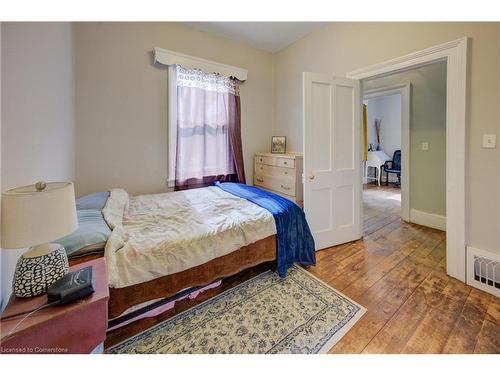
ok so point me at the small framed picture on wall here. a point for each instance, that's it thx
(278, 145)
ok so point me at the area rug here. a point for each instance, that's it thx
(266, 314)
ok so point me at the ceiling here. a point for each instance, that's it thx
(266, 36)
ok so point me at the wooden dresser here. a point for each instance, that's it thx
(280, 173)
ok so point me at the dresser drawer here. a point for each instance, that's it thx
(281, 184)
(271, 170)
(285, 162)
(275, 160)
(267, 160)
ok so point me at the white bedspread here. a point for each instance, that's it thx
(161, 234)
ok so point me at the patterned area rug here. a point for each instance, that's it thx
(299, 314)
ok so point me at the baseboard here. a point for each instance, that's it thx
(428, 220)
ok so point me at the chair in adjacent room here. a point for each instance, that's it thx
(393, 166)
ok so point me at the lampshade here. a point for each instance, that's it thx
(32, 216)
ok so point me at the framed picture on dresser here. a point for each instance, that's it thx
(278, 144)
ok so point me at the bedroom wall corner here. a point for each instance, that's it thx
(38, 122)
(121, 96)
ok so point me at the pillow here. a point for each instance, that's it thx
(91, 235)
(94, 201)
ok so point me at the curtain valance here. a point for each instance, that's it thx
(207, 81)
(167, 57)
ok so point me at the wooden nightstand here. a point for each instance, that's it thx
(78, 327)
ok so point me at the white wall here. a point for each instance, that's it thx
(121, 97)
(38, 127)
(338, 48)
(388, 109)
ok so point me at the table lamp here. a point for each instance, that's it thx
(32, 216)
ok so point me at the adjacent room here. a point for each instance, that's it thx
(381, 201)
(405, 163)
(250, 187)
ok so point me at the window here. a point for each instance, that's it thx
(204, 128)
(211, 147)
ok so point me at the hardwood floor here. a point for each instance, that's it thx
(397, 271)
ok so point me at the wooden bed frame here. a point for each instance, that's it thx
(121, 299)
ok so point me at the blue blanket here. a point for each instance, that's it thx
(295, 241)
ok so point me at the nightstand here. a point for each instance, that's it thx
(78, 327)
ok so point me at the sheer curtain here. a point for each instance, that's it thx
(208, 129)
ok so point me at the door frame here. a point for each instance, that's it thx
(405, 91)
(455, 55)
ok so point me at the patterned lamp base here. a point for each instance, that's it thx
(34, 274)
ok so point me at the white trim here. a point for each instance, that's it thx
(412, 60)
(471, 252)
(167, 57)
(172, 125)
(405, 91)
(428, 220)
(455, 55)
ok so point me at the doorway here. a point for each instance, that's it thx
(454, 53)
(422, 139)
(332, 127)
(386, 128)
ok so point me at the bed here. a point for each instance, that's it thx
(162, 244)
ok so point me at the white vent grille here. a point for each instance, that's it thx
(483, 270)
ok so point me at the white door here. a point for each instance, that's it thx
(332, 158)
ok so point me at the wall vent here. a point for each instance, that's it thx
(483, 270)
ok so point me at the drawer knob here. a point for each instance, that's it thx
(285, 187)
(311, 177)
(285, 162)
(260, 180)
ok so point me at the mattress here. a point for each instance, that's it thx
(161, 234)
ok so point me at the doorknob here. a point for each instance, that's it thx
(311, 177)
